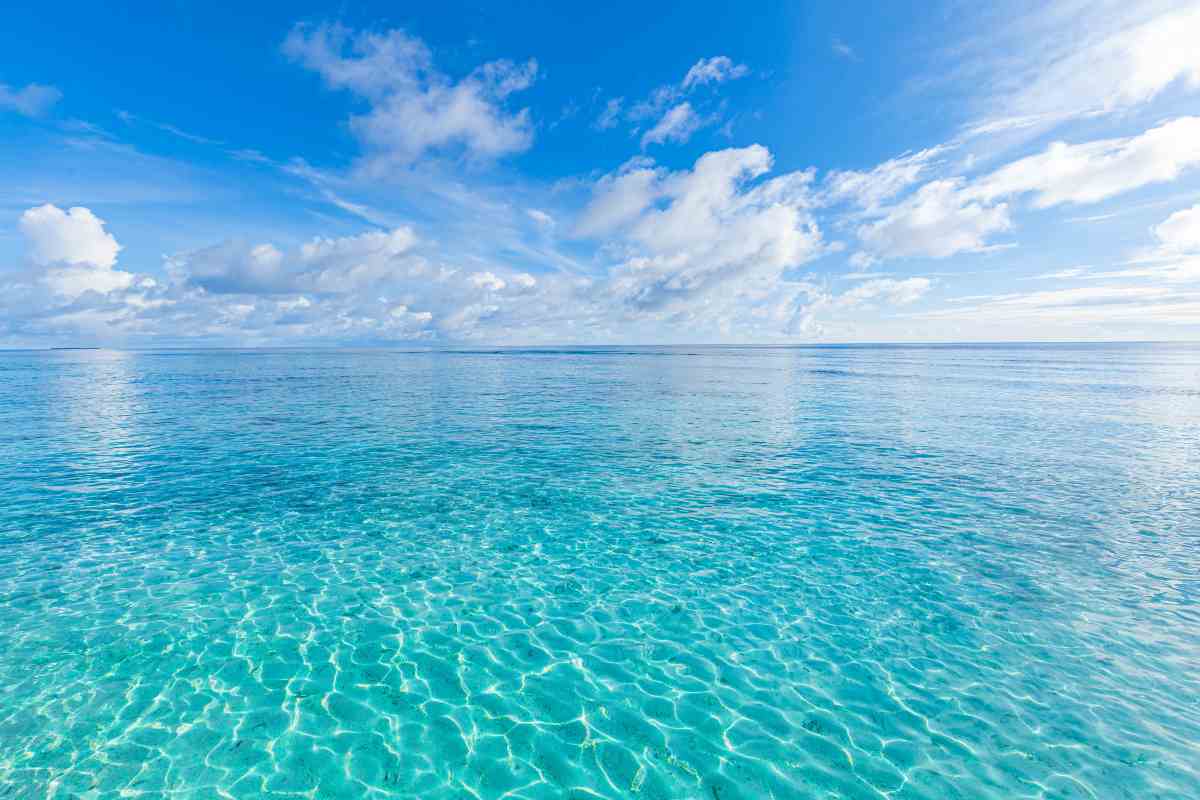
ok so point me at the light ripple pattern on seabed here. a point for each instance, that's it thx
(840, 572)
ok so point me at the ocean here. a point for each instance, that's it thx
(656, 572)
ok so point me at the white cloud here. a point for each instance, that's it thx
(717, 69)
(611, 114)
(677, 120)
(700, 253)
(321, 265)
(883, 182)
(1175, 256)
(861, 260)
(487, 281)
(75, 236)
(954, 215)
(1180, 232)
(1097, 60)
(1177, 270)
(375, 244)
(131, 119)
(230, 268)
(74, 281)
(76, 251)
(890, 290)
(677, 125)
(692, 232)
(843, 50)
(1074, 309)
(653, 105)
(1086, 295)
(620, 197)
(1093, 171)
(415, 109)
(1156, 288)
(363, 287)
(940, 219)
(32, 101)
(523, 281)
(1062, 274)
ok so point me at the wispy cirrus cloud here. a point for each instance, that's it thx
(1173, 258)
(869, 188)
(130, 119)
(1063, 62)
(717, 69)
(843, 50)
(33, 100)
(611, 115)
(1092, 171)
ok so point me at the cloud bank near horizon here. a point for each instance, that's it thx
(452, 244)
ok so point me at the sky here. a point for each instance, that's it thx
(302, 174)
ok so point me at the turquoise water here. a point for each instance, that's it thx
(926, 572)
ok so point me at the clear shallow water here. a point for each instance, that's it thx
(665, 573)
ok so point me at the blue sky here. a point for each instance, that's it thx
(309, 174)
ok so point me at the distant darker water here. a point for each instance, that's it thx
(664, 572)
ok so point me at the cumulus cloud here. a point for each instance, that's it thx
(229, 268)
(74, 281)
(677, 125)
(709, 252)
(702, 252)
(321, 265)
(32, 101)
(370, 286)
(705, 253)
(947, 216)
(940, 219)
(74, 236)
(692, 232)
(414, 108)
(1180, 232)
(76, 251)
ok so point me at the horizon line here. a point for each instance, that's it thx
(415, 347)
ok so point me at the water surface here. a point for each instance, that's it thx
(859, 572)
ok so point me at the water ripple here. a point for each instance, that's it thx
(715, 573)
